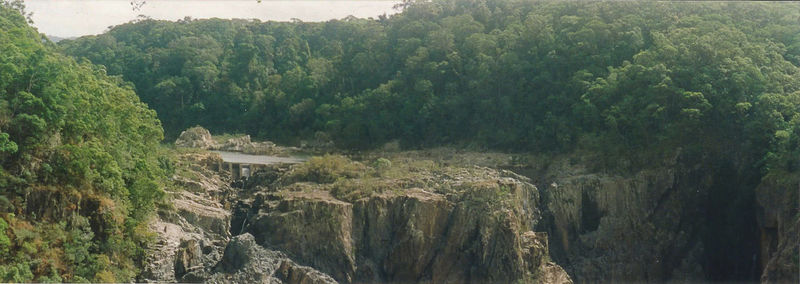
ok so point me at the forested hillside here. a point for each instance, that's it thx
(77, 170)
(514, 75)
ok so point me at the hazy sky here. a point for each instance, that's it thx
(71, 18)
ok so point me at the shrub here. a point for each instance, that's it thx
(326, 169)
(351, 190)
(382, 164)
(5, 242)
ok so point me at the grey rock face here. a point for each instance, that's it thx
(189, 257)
(637, 227)
(472, 225)
(467, 234)
(245, 261)
(191, 235)
(194, 244)
(779, 227)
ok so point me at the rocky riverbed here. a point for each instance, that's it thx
(336, 220)
(443, 215)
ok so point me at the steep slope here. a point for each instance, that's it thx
(778, 197)
(77, 170)
(193, 241)
(402, 221)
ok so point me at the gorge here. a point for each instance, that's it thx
(456, 141)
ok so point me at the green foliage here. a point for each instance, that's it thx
(381, 165)
(7, 146)
(617, 77)
(81, 143)
(5, 242)
(78, 245)
(18, 273)
(326, 169)
(354, 189)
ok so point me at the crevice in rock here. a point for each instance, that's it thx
(731, 232)
(590, 213)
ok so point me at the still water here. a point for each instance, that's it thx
(73, 18)
(241, 158)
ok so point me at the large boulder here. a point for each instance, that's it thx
(196, 137)
(245, 261)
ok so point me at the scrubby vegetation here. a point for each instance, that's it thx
(326, 169)
(77, 171)
(349, 180)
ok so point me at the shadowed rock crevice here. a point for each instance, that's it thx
(730, 233)
(590, 213)
(675, 221)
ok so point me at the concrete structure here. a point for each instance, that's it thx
(243, 165)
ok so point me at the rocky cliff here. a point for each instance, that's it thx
(684, 218)
(674, 221)
(193, 241)
(410, 223)
(335, 220)
(622, 228)
(779, 228)
(448, 216)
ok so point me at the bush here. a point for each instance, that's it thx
(351, 190)
(326, 169)
(5, 242)
(382, 164)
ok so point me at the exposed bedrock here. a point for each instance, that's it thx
(779, 229)
(673, 222)
(478, 231)
(193, 241)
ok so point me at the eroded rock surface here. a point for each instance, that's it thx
(418, 220)
(415, 224)
(193, 241)
(195, 137)
(190, 235)
(638, 227)
(779, 227)
(245, 261)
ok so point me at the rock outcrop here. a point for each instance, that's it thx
(193, 241)
(200, 138)
(683, 219)
(779, 227)
(195, 137)
(190, 235)
(409, 219)
(451, 224)
(611, 228)
(245, 145)
(619, 229)
(245, 261)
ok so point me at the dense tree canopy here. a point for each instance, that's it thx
(77, 174)
(519, 75)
